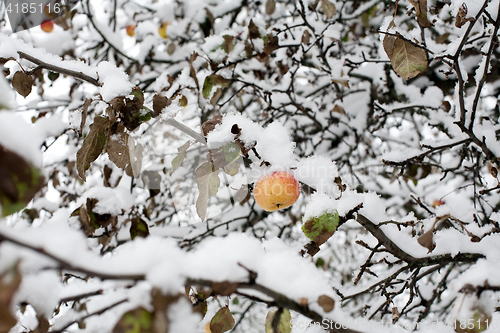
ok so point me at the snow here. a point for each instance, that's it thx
(27, 146)
(8, 97)
(110, 201)
(114, 81)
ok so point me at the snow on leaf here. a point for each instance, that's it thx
(19, 181)
(22, 83)
(93, 145)
(211, 81)
(320, 229)
(326, 303)
(407, 59)
(135, 321)
(328, 8)
(278, 321)
(223, 321)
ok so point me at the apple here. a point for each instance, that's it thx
(131, 30)
(277, 190)
(437, 202)
(47, 26)
(163, 30)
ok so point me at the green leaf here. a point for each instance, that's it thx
(222, 322)
(19, 181)
(278, 321)
(407, 59)
(136, 321)
(320, 229)
(211, 81)
(93, 145)
(139, 228)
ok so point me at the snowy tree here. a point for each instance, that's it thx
(133, 135)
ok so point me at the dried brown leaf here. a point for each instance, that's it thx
(22, 83)
(326, 303)
(328, 8)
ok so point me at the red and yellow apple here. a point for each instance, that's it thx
(163, 30)
(47, 26)
(277, 190)
(131, 30)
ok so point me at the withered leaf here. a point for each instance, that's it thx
(139, 228)
(224, 288)
(427, 240)
(85, 109)
(209, 125)
(93, 145)
(326, 303)
(22, 83)
(159, 103)
(253, 30)
(19, 181)
(342, 82)
(271, 45)
(9, 283)
(407, 59)
(306, 37)
(421, 12)
(338, 109)
(222, 322)
(117, 145)
(461, 17)
(270, 7)
(328, 8)
(278, 321)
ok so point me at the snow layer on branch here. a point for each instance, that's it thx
(110, 201)
(166, 266)
(273, 142)
(114, 81)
